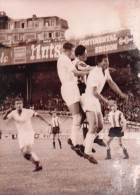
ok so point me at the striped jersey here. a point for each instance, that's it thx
(116, 118)
(55, 121)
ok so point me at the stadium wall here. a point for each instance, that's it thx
(8, 129)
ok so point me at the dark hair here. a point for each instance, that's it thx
(99, 58)
(17, 99)
(80, 49)
(68, 46)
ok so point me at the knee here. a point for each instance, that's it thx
(26, 150)
(100, 127)
(77, 118)
(108, 142)
(120, 144)
(27, 156)
(93, 127)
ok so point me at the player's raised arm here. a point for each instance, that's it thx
(80, 73)
(115, 88)
(101, 97)
(83, 66)
(6, 113)
(42, 118)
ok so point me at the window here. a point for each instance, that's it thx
(15, 37)
(22, 25)
(47, 23)
(62, 34)
(50, 34)
(57, 34)
(53, 23)
(11, 26)
(40, 23)
(45, 35)
(30, 24)
(21, 37)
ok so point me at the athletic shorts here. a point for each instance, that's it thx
(116, 132)
(90, 103)
(25, 138)
(55, 130)
(70, 93)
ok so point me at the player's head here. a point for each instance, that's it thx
(102, 61)
(68, 48)
(19, 103)
(54, 114)
(81, 53)
(114, 106)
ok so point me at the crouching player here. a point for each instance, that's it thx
(22, 118)
(118, 125)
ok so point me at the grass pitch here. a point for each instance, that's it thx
(65, 173)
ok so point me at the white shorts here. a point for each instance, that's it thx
(70, 93)
(90, 103)
(25, 138)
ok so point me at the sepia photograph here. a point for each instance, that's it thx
(69, 97)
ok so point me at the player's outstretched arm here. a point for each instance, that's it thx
(42, 118)
(115, 88)
(80, 73)
(83, 66)
(101, 97)
(6, 113)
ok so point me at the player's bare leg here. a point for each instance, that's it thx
(73, 141)
(93, 124)
(126, 156)
(30, 155)
(108, 156)
(76, 134)
(99, 128)
(59, 141)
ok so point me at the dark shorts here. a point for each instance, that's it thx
(116, 132)
(85, 130)
(55, 130)
(82, 88)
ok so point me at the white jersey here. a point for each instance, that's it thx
(116, 118)
(65, 68)
(23, 121)
(97, 79)
(55, 121)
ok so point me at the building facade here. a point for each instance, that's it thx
(31, 30)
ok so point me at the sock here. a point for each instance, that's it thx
(81, 137)
(75, 131)
(89, 142)
(34, 157)
(59, 143)
(53, 144)
(107, 147)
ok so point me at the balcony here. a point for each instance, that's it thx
(32, 29)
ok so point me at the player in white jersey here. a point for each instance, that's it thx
(90, 100)
(118, 126)
(69, 90)
(22, 118)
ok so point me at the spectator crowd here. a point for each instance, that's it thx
(131, 109)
